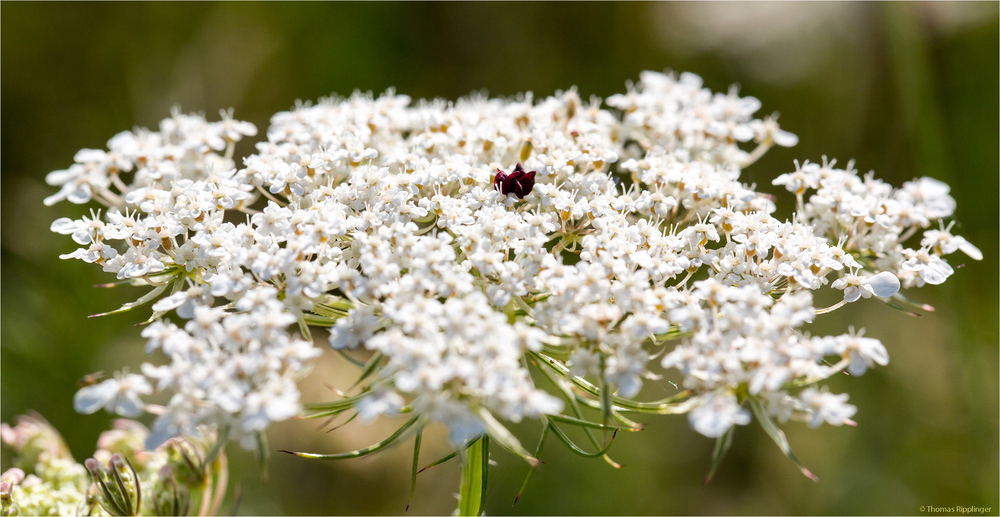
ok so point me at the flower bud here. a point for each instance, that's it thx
(127, 436)
(12, 476)
(34, 440)
(93, 498)
(526, 149)
(120, 491)
(170, 497)
(7, 504)
(187, 462)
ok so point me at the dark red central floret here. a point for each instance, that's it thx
(518, 182)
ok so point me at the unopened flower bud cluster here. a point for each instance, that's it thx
(458, 238)
(46, 480)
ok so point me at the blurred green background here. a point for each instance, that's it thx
(907, 89)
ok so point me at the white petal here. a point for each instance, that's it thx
(743, 133)
(171, 302)
(709, 423)
(717, 415)
(163, 429)
(54, 198)
(81, 236)
(858, 364)
(750, 105)
(884, 284)
(971, 250)
(63, 225)
(88, 400)
(935, 274)
(90, 155)
(784, 138)
(80, 195)
(138, 384)
(129, 405)
(629, 385)
(186, 309)
(60, 177)
(462, 429)
(874, 349)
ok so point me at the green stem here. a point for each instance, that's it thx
(472, 489)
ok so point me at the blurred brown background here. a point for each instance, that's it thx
(907, 89)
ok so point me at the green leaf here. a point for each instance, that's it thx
(587, 423)
(122, 491)
(904, 304)
(605, 391)
(146, 298)
(350, 359)
(556, 351)
(304, 329)
(318, 320)
(338, 426)
(510, 311)
(630, 425)
(571, 398)
(263, 455)
(576, 448)
(447, 457)
(722, 445)
(485, 460)
(336, 302)
(413, 472)
(110, 502)
(475, 468)
(336, 405)
(360, 452)
(778, 436)
(538, 452)
(138, 486)
(676, 404)
(505, 438)
(222, 438)
(523, 305)
(370, 368)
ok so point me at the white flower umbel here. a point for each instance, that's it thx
(474, 247)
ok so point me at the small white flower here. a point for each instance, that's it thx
(863, 352)
(822, 406)
(883, 285)
(119, 395)
(353, 330)
(717, 413)
(931, 268)
(805, 177)
(382, 402)
(945, 243)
